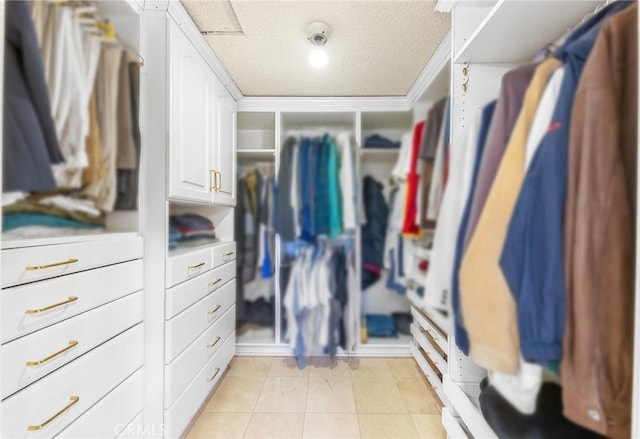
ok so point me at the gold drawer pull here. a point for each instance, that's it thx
(214, 375)
(72, 344)
(217, 281)
(213, 187)
(74, 400)
(193, 267)
(219, 181)
(229, 254)
(47, 308)
(213, 311)
(214, 343)
(55, 264)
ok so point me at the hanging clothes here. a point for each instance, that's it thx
(410, 228)
(541, 299)
(373, 232)
(461, 337)
(600, 234)
(437, 183)
(29, 135)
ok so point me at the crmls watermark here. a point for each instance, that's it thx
(139, 430)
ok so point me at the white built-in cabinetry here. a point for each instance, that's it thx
(71, 313)
(191, 291)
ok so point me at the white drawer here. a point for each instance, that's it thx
(188, 265)
(434, 381)
(184, 328)
(135, 429)
(88, 379)
(422, 339)
(224, 253)
(112, 414)
(181, 370)
(28, 264)
(180, 414)
(432, 329)
(92, 288)
(186, 294)
(77, 335)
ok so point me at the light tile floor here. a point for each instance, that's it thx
(266, 398)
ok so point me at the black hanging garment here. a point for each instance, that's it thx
(29, 134)
(374, 231)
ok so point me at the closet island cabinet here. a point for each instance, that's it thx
(202, 117)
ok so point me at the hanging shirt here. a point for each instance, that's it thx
(438, 282)
(461, 337)
(600, 234)
(347, 188)
(410, 227)
(436, 186)
(335, 195)
(532, 257)
(284, 223)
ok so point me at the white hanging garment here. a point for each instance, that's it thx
(439, 276)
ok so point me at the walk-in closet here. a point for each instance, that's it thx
(345, 219)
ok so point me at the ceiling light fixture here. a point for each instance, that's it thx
(318, 36)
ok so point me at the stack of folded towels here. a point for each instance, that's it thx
(190, 230)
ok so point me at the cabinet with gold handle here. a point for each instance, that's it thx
(55, 264)
(215, 342)
(215, 282)
(226, 256)
(193, 267)
(74, 400)
(214, 375)
(213, 311)
(72, 344)
(55, 305)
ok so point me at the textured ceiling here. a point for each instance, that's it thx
(375, 47)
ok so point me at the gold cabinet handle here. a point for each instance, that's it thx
(74, 400)
(229, 254)
(215, 282)
(193, 267)
(214, 375)
(47, 308)
(55, 264)
(72, 344)
(213, 186)
(213, 311)
(214, 343)
(218, 181)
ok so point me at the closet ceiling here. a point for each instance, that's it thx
(375, 47)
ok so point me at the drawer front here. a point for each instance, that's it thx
(432, 378)
(91, 288)
(32, 357)
(184, 328)
(186, 294)
(180, 414)
(135, 429)
(51, 402)
(181, 371)
(224, 253)
(112, 414)
(28, 264)
(187, 266)
(426, 344)
(421, 320)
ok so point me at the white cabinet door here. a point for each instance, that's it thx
(224, 162)
(191, 120)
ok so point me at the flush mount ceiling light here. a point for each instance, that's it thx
(318, 35)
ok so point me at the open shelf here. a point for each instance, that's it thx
(536, 23)
(383, 154)
(256, 154)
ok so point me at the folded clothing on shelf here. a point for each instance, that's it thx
(190, 230)
(80, 211)
(380, 325)
(377, 141)
(11, 221)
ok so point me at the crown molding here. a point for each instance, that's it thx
(435, 66)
